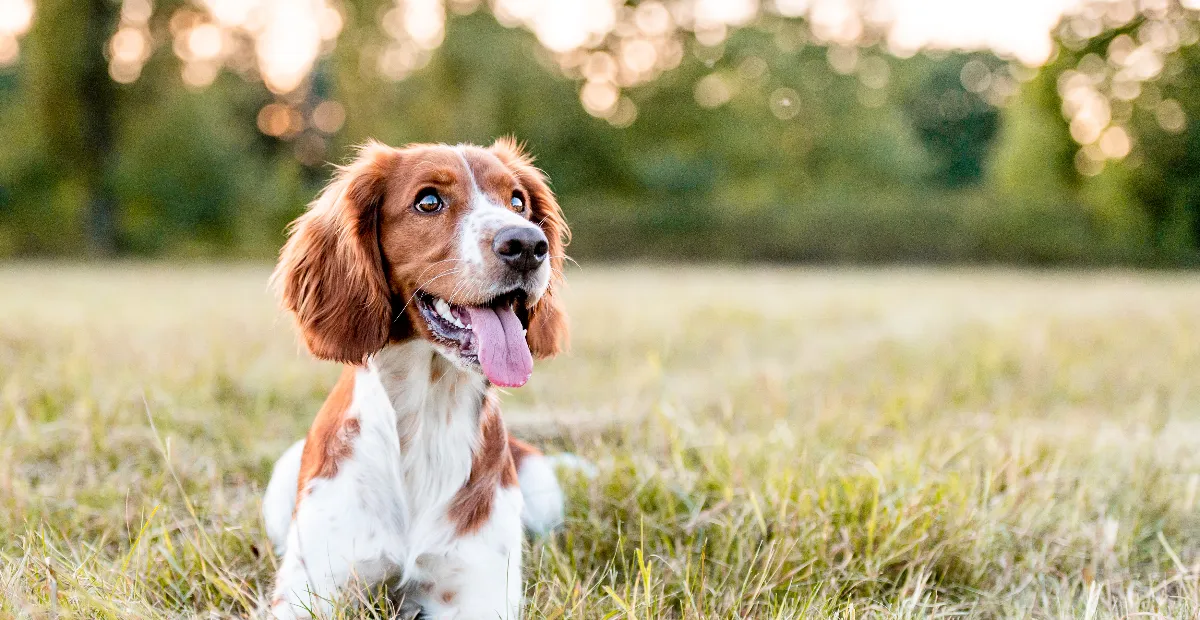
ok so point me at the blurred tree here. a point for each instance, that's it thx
(956, 125)
(1166, 166)
(1126, 80)
(75, 104)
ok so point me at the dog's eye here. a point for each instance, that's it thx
(518, 203)
(428, 201)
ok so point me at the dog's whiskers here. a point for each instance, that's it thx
(416, 292)
(565, 257)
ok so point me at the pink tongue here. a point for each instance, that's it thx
(503, 352)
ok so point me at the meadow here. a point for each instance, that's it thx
(770, 443)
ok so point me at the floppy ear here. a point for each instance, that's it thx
(549, 332)
(330, 273)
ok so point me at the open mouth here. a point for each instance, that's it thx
(490, 335)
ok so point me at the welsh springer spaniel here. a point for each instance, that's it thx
(432, 273)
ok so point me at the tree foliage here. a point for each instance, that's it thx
(766, 145)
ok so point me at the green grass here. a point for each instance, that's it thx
(771, 443)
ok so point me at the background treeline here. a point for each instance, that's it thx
(912, 168)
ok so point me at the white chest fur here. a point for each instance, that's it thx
(384, 514)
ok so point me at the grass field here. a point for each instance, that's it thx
(771, 443)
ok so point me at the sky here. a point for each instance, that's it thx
(1016, 27)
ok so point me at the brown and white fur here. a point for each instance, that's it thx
(407, 476)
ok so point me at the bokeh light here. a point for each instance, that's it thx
(785, 103)
(280, 120)
(289, 42)
(1100, 92)
(1170, 116)
(16, 17)
(328, 117)
(9, 50)
(713, 91)
(610, 46)
(130, 46)
(599, 98)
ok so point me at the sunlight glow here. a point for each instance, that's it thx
(724, 12)
(204, 42)
(288, 44)
(232, 13)
(652, 18)
(611, 46)
(1017, 28)
(791, 8)
(425, 22)
(560, 25)
(835, 21)
(1171, 116)
(282, 39)
(16, 16)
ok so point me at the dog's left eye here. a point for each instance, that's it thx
(518, 203)
(428, 201)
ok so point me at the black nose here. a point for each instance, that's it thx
(522, 248)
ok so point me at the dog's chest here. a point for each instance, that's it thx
(415, 453)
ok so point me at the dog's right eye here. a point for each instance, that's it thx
(428, 201)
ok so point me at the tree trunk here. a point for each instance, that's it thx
(97, 94)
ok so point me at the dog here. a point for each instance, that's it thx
(433, 273)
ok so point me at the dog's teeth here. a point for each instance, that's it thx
(443, 309)
(524, 332)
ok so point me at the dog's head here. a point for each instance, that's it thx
(459, 245)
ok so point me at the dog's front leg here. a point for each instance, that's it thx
(334, 550)
(479, 577)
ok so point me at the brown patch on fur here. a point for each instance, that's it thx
(549, 332)
(330, 272)
(448, 597)
(491, 467)
(519, 451)
(331, 434)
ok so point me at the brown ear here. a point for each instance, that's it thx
(330, 273)
(549, 332)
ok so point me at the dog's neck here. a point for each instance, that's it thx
(427, 392)
(420, 381)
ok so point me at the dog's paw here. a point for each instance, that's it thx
(542, 492)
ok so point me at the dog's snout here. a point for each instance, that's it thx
(522, 248)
